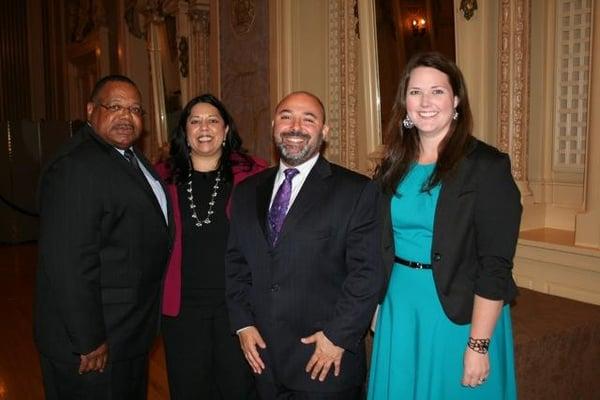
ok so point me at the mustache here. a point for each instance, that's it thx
(295, 133)
(125, 125)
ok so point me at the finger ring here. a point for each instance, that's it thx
(481, 380)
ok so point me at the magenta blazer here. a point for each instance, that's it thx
(171, 302)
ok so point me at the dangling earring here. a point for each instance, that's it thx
(224, 143)
(455, 115)
(407, 122)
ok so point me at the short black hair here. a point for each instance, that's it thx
(107, 79)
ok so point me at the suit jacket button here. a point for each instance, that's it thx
(437, 257)
(274, 287)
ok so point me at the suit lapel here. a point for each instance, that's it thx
(447, 201)
(312, 191)
(263, 199)
(140, 181)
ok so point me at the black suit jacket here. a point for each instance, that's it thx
(103, 248)
(475, 232)
(324, 273)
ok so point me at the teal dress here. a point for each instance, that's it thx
(417, 351)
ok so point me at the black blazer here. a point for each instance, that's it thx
(475, 232)
(103, 248)
(324, 273)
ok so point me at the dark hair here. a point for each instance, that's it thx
(179, 160)
(402, 144)
(107, 79)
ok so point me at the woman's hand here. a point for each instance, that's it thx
(476, 368)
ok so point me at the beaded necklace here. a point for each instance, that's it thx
(197, 221)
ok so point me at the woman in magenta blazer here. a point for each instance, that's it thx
(206, 162)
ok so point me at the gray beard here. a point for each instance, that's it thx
(304, 155)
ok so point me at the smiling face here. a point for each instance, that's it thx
(119, 128)
(205, 131)
(298, 128)
(430, 101)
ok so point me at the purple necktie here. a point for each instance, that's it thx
(280, 204)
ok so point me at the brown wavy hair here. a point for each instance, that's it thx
(403, 144)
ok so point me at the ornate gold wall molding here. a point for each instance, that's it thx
(514, 53)
(343, 82)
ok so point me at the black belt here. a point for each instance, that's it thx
(411, 264)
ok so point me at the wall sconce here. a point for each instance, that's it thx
(418, 26)
(468, 8)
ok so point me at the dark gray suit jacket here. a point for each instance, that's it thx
(324, 273)
(103, 248)
(475, 232)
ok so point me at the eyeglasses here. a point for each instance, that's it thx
(116, 108)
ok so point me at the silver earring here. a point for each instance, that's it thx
(407, 122)
(455, 115)
(223, 143)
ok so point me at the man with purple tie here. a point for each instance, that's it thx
(303, 272)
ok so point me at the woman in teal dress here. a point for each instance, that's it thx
(451, 214)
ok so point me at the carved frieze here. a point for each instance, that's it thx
(199, 18)
(243, 15)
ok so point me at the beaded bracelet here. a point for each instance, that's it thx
(479, 345)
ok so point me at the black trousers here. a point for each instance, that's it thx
(204, 359)
(272, 391)
(121, 380)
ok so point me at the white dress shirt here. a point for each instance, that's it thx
(298, 180)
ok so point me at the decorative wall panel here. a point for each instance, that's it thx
(573, 29)
(245, 70)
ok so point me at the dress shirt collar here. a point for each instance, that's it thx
(303, 169)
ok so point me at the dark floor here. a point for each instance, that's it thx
(20, 377)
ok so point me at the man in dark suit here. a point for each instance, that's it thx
(303, 272)
(103, 247)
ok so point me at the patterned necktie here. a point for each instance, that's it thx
(280, 205)
(129, 156)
